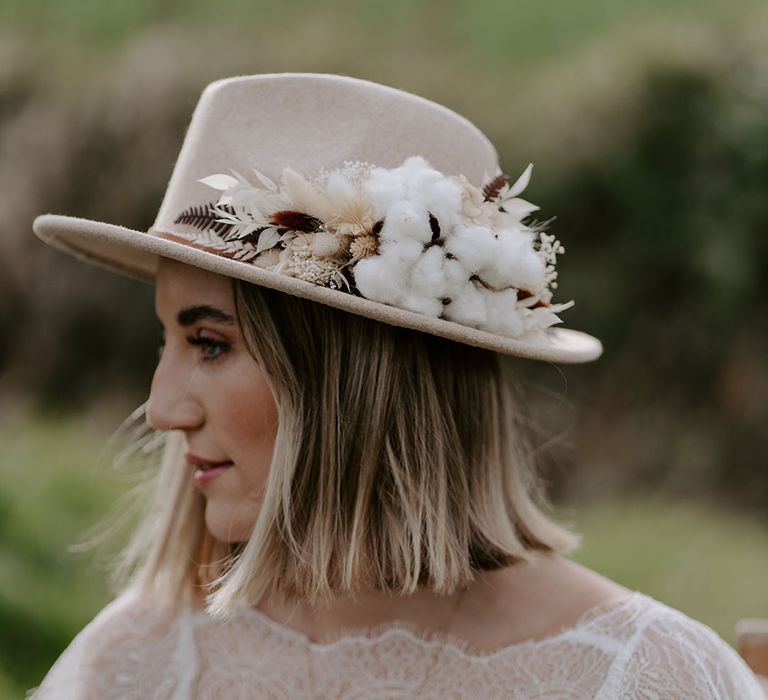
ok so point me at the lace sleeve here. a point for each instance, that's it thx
(127, 650)
(678, 658)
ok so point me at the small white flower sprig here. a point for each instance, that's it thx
(409, 237)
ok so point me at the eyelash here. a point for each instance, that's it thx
(207, 344)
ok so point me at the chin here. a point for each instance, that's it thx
(223, 526)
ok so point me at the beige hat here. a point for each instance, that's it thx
(355, 195)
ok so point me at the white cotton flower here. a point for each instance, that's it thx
(417, 183)
(475, 247)
(428, 275)
(406, 222)
(404, 275)
(456, 274)
(421, 304)
(467, 305)
(401, 254)
(382, 277)
(516, 262)
(502, 315)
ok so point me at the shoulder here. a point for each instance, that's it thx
(671, 655)
(535, 601)
(129, 623)
(121, 643)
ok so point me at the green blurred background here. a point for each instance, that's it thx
(648, 125)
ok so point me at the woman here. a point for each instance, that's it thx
(347, 503)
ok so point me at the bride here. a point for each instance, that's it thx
(347, 504)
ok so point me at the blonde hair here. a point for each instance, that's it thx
(401, 460)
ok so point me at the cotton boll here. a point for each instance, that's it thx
(385, 188)
(474, 246)
(377, 280)
(415, 181)
(502, 316)
(421, 304)
(390, 279)
(529, 269)
(401, 253)
(403, 221)
(467, 305)
(456, 274)
(428, 274)
(431, 191)
(385, 276)
(516, 263)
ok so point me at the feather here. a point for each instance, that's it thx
(492, 189)
(296, 221)
(304, 195)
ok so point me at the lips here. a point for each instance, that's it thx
(205, 464)
(205, 467)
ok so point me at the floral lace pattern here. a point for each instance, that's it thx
(630, 647)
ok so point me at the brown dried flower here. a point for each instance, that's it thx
(364, 246)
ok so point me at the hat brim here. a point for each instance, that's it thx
(135, 254)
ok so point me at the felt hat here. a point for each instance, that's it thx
(355, 195)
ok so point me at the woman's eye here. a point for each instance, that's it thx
(212, 349)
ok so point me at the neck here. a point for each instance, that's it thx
(423, 609)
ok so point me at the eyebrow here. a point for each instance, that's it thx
(186, 317)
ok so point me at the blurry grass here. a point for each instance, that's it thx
(520, 31)
(49, 497)
(709, 563)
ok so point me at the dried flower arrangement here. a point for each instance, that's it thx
(408, 236)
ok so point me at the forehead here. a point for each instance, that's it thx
(178, 284)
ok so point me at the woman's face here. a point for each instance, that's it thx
(208, 386)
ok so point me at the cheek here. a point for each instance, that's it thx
(251, 420)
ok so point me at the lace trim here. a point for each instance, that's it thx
(410, 631)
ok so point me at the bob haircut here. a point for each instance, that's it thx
(401, 460)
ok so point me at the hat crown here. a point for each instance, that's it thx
(314, 121)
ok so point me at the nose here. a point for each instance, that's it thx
(172, 403)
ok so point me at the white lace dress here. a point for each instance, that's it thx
(629, 647)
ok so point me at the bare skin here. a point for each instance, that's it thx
(207, 385)
(503, 607)
(218, 396)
